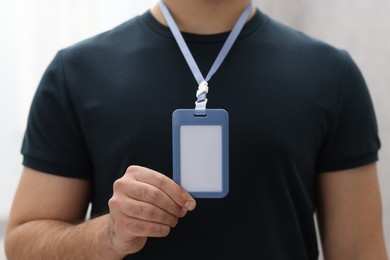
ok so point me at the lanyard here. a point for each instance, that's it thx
(200, 104)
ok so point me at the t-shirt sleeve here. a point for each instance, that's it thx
(53, 141)
(352, 139)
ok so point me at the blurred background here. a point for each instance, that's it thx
(33, 31)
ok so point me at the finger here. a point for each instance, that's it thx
(162, 182)
(142, 228)
(133, 189)
(147, 193)
(148, 212)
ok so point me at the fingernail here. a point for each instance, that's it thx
(189, 205)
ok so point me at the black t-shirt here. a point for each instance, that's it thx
(298, 107)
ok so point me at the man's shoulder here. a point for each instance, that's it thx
(107, 42)
(289, 40)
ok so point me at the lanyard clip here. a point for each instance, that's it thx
(201, 102)
(200, 108)
(203, 88)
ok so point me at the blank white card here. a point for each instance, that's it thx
(201, 158)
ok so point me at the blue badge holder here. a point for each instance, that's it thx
(201, 152)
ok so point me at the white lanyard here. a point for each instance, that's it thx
(200, 104)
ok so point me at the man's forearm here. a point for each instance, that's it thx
(50, 239)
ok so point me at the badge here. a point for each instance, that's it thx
(201, 151)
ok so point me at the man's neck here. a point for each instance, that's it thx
(203, 16)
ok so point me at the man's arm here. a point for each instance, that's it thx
(47, 217)
(44, 217)
(350, 214)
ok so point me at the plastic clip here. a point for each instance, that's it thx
(201, 102)
(203, 88)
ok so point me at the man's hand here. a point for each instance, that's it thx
(47, 217)
(145, 204)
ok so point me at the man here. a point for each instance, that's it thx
(303, 138)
